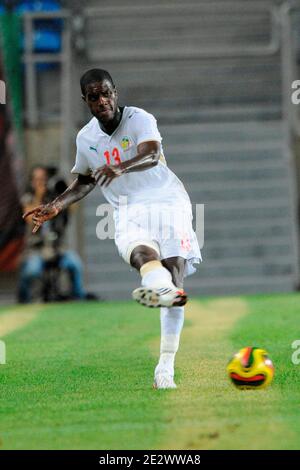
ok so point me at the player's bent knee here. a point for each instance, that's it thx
(143, 255)
(139, 253)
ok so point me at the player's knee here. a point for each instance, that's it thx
(141, 255)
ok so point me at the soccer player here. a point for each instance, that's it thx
(120, 150)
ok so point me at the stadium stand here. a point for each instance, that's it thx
(211, 74)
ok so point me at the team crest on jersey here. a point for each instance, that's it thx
(126, 143)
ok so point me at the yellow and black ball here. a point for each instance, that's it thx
(250, 368)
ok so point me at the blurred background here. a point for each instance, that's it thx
(218, 77)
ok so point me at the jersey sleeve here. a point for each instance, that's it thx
(81, 165)
(144, 128)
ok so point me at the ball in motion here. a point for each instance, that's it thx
(250, 368)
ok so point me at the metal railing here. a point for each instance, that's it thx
(64, 58)
(32, 112)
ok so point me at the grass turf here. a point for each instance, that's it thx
(79, 377)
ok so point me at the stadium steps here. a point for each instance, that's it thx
(215, 91)
(219, 114)
(248, 244)
(180, 61)
(177, 59)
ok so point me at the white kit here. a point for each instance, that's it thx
(151, 206)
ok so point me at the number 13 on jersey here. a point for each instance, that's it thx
(115, 155)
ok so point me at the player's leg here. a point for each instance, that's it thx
(146, 260)
(171, 319)
(176, 266)
(157, 288)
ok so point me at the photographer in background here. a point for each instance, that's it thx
(45, 248)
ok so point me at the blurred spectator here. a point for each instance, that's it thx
(44, 249)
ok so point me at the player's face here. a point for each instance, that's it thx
(102, 99)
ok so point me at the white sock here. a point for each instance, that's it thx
(171, 320)
(156, 278)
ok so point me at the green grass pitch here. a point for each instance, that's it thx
(79, 376)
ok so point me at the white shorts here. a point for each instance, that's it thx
(163, 225)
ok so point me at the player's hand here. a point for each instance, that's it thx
(106, 173)
(41, 214)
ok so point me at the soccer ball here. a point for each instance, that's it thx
(250, 368)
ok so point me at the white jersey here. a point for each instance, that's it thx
(96, 148)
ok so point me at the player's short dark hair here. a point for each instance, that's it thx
(94, 75)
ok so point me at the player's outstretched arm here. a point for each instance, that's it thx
(76, 191)
(148, 154)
